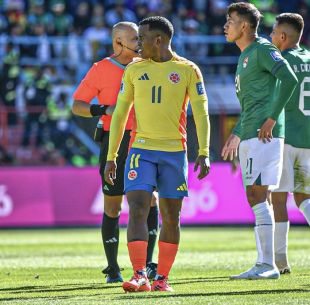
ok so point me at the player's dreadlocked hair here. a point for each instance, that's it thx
(294, 20)
(159, 23)
(247, 11)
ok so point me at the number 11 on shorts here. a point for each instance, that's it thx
(249, 164)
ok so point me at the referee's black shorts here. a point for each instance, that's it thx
(118, 188)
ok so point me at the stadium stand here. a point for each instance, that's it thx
(47, 46)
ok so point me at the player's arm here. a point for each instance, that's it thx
(85, 93)
(84, 109)
(199, 102)
(230, 148)
(286, 86)
(118, 125)
(272, 61)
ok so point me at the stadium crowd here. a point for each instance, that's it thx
(93, 19)
(39, 68)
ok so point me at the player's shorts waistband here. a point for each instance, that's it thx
(159, 144)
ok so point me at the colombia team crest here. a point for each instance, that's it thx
(132, 174)
(174, 77)
(245, 62)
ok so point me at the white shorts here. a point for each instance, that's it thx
(261, 163)
(296, 170)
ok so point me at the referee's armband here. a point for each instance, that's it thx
(98, 110)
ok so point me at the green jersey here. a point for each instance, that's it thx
(256, 87)
(297, 110)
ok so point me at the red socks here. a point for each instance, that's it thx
(166, 257)
(167, 253)
(137, 253)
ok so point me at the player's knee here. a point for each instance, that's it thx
(113, 211)
(252, 198)
(279, 199)
(137, 212)
(255, 196)
(172, 220)
(300, 197)
(112, 205)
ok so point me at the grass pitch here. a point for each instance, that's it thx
(64, 267)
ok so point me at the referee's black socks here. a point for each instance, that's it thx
(110, 239)
(152, 224)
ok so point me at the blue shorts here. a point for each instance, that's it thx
(149, 169)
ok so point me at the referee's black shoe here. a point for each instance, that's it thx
(151, 270)
(113, 275)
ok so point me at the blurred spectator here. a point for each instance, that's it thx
(36, 93)
(200, 5)
(269, 9)
(161, 8)
(119, 13)
(61, 21)
(41, 49)
(142, 11)
(179, 18)
(58, 120)
(194, 49)
(5, 157)
(9, 77)
(217, 13)
(289, 6)
(81, 54)
(304, 12)
(95, 35)
(77, 154)
(98, 13)
(82, 17)
(263, 5)
(38, 16)
(3, 23)
(15, 14)
(203, 25)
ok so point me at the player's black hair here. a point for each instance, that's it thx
(247, 11)
(159, 23)
(294, 20)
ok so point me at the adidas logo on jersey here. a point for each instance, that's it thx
(182, 187)
(106, 188)
(144, 77)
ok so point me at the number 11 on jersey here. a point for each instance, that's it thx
(156, 96)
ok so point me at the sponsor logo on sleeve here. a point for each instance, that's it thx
(245, 62)
(276, 56)
(200, 88)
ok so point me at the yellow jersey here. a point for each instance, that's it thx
(160, 93)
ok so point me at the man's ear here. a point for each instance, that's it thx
(118, 40)
(158, 40)
(245, 25)
(283, 36)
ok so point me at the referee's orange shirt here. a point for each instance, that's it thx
(103, 81)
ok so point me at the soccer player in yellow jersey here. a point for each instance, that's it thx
(159, 86)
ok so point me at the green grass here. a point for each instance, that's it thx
(64, 267)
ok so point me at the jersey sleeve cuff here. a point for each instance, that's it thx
(111, 156)
(203, 152)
